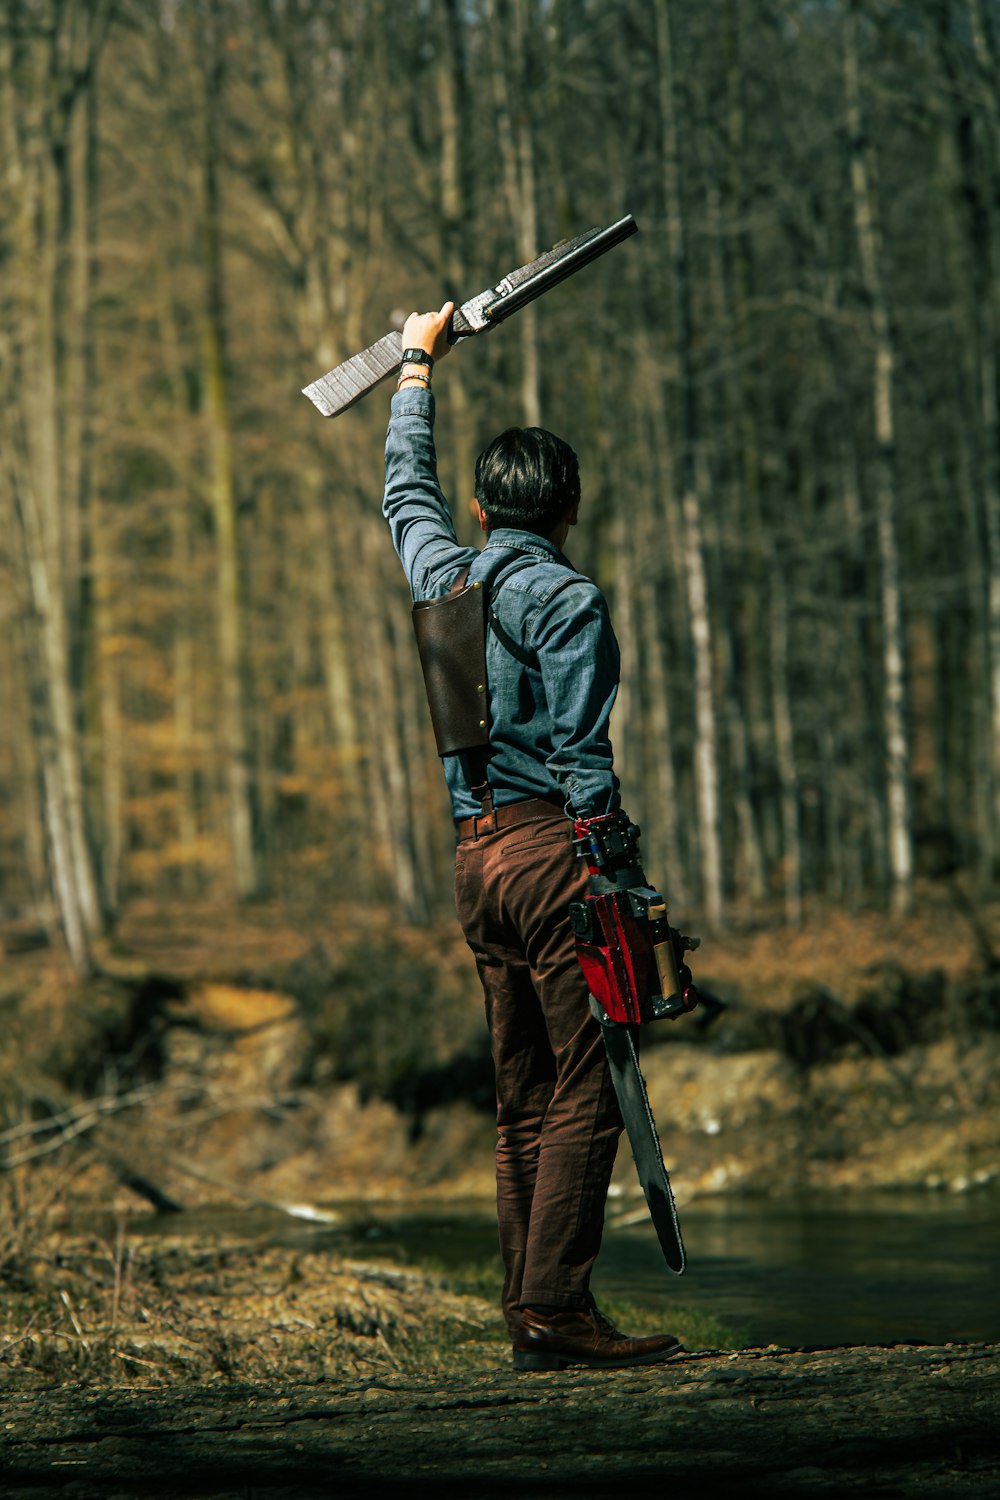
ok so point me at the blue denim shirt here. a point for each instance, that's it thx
(548, 724)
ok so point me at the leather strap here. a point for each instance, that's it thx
(475, 762)
(528, 810)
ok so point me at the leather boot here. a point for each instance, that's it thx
(583, 1336)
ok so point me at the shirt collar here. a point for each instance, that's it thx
(513, 540)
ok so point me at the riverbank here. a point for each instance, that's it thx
(202, 1365)
(274, 1056)
(136, 1360)
(265, 1061)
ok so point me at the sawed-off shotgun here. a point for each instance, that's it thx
(341, 387)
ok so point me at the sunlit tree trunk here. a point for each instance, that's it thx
(46, 78)
(95, 620)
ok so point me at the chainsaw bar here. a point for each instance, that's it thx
(630, 1086)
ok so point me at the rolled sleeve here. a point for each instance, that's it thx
(413, 503)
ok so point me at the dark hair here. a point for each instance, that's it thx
(527, 478)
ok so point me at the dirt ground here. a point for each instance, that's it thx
(900, 1422)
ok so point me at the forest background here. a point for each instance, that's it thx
(783, 393)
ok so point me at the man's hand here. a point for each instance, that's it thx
(429, 331)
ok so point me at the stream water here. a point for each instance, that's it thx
(918, 1268)
(803, 1271)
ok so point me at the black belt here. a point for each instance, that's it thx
(528, 810)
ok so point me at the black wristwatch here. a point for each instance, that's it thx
(417, 357)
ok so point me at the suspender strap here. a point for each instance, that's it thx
(523, 654)
(526, 657)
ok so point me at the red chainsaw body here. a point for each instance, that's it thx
(618, 966)
(631, 957)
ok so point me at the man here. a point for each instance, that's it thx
(552, 672)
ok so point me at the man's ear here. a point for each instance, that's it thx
(572, 516)
(475, 509)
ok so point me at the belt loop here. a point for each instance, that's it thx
(487, 817)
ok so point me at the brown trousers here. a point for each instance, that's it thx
(558, 1120)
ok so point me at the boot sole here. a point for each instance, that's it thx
(525, 1359)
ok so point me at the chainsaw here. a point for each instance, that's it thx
(634, 964)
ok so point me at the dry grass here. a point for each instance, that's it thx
(136, 1311)
(127, 1311)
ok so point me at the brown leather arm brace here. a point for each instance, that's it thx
(451, 641)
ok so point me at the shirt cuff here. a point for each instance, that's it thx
(592, 796)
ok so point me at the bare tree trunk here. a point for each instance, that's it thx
(512, 94)
(691, 478)
(221, 485)
(95, 618)
(55, 758)
(47, 131)
(649, 610)
(742, 633)
(181, 625)
(457, 207)
(25, 823)
(985, 256)
(412, 746)
(866, 224)
(658, 727)
(784, 740)
(393, 817)
(967, 253)
(739, 644)
(184, 697)
(106, 671)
